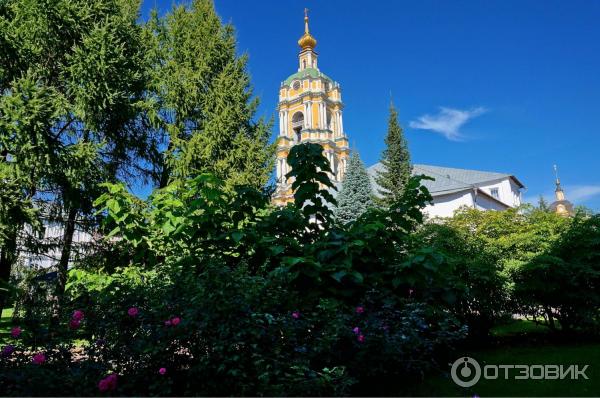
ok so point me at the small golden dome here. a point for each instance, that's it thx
(307, 41)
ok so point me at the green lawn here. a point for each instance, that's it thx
(518, 327)
(584, 354)
(5, 324)
(533, 349)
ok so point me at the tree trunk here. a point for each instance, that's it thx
(550, 316)
(63, 264)
(164, 177)
(8, 255)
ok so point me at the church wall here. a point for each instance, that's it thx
(508, 191)
(53, 234)
(483, 202)
(444, 206)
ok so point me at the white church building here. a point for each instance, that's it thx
(453, 188)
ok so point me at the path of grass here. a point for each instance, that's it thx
(585, 354)
(518, 327)
(531, 350)
(5, 324)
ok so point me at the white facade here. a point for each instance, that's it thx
(52, 244)
(453, 188)
(445, 205)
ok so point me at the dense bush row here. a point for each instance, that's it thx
(525, 261)
(217, 293)
(210, 291)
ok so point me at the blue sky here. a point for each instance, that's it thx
(507, 86)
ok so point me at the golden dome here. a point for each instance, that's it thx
(307, 41)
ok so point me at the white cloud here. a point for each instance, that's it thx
(447, 122)
(574, 193)
(581, 193)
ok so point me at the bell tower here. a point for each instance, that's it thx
(561, 205)
(310, 110)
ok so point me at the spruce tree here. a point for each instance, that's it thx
(356, 194)
(205, 108)
(395, 161)
(543, 204)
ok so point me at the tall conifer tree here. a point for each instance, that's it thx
(356, 195)
(70, 93)
(395, 161)
(204, 100)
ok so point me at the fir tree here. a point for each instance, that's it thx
(395, 161)
(543, 204)
(205, 106)
(356, 195)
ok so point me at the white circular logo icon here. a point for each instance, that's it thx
(465, 372)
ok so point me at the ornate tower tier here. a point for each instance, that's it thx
(561, 205)
(310, 110)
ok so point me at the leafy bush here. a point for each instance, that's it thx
(224, 295)
(485, 251)
(564, 283)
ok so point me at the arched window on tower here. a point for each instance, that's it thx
(297, 126)
(303, 64)
(329, 126)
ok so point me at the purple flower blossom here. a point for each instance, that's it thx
(15, 332)
(7, 350)
(109, 383)
(356, 330)
(38, 358)
(133, 311)
(360, 309)
(162, 371)
(74, 324)
(77, 315)
(296, 314)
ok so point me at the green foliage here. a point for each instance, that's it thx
(202, 101)
(13, 210)
(309, 170)
(395, 161)
(563, 283)
(231, 295)
(71, 94)
(90, 95)
(543, 204)
(479, 285)
(269, 301)
(527, 261)
(356, 195)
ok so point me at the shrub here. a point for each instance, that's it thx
(224, 295)
(564, 283)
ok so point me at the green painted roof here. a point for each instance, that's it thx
(308, 72)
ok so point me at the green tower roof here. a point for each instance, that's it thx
(308, 72)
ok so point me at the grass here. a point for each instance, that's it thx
(5, 324)
(518, 327)
(525, 343)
